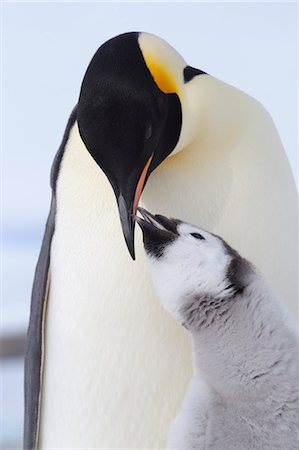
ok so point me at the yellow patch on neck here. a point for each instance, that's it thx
(163, 78)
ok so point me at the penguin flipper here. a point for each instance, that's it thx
(34, 342)
(40, 291)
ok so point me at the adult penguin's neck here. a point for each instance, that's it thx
(215, 114)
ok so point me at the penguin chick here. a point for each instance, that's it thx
(244, 391)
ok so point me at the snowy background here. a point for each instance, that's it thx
(46, 48)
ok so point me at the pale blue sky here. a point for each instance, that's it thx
(47, 47)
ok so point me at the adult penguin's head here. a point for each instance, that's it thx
(130, 114)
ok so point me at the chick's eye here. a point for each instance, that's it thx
(197, 236)
(149, 132)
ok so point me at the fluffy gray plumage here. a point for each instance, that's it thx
(245, 389)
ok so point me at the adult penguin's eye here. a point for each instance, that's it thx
(149, 132)
(197, 236)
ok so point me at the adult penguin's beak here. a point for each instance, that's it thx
(129, 117)
(128, 200)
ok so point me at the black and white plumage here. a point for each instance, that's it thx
(35, 335)
(244, 393)
(145, 122)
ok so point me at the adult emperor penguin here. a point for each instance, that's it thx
(100, 349)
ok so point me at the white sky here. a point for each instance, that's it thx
(47, 47)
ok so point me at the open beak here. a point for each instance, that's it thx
(158, 232)
(128, 209)
(157, 221)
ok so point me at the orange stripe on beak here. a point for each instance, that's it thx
(140, 185)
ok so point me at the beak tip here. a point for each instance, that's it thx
(127, 223)
(132, 253)
(130, 245)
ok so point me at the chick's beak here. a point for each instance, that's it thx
(158, 232)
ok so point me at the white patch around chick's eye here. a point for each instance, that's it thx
(187, 229)
(190, 267)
